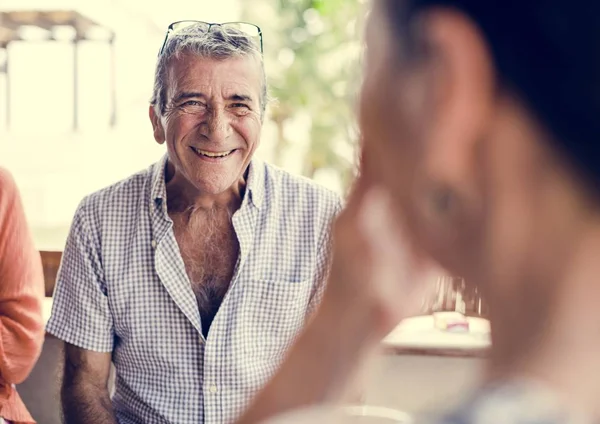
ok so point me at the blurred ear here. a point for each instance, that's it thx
(458, 103)
(462, 82)
(159, 132)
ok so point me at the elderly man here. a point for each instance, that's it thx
(194, 275)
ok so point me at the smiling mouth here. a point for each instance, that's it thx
(212, 155)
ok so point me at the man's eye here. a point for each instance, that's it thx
(240, 105)
(193, 103)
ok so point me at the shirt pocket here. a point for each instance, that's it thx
(273, 313)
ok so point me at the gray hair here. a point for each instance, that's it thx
(215, 44)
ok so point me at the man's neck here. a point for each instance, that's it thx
(562, 349)
(183, 196)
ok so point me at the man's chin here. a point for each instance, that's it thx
(216, 179)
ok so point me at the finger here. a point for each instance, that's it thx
(402, 276)
(384, 240)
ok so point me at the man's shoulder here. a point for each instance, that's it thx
(123, 194)
(288, 185)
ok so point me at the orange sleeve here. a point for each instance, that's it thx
(21, 288)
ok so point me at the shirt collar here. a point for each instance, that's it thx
(256, 182)
(159, 188)
(255, 186)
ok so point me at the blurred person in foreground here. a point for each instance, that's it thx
(482, 154)
(21, 297)
(192, 276)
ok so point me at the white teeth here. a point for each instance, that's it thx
(212, 154)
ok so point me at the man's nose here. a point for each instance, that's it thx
(218, 126)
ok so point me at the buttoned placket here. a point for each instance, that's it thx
(244, 224)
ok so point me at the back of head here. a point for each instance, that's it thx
(514, 142)
(546, 52)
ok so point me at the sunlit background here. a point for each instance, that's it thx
(74, 95)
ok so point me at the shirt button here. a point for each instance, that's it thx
(153, 244)
(213, 389)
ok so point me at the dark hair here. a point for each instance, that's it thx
(547, 52)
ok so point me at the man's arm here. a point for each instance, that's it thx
(81, 317)
(85, 397)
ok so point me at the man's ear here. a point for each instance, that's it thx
(159, 132)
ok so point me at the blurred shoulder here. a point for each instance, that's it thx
(517, 402)
(510, 403)
(7, 182)
(9, 194)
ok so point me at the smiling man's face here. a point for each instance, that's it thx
(212, 120)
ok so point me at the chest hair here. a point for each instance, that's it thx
(210, 249)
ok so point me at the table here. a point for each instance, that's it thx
(418, 336)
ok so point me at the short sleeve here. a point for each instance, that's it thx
(80, 311)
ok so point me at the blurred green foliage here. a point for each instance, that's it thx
(312, 55)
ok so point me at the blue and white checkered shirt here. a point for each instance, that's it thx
(123, 288)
